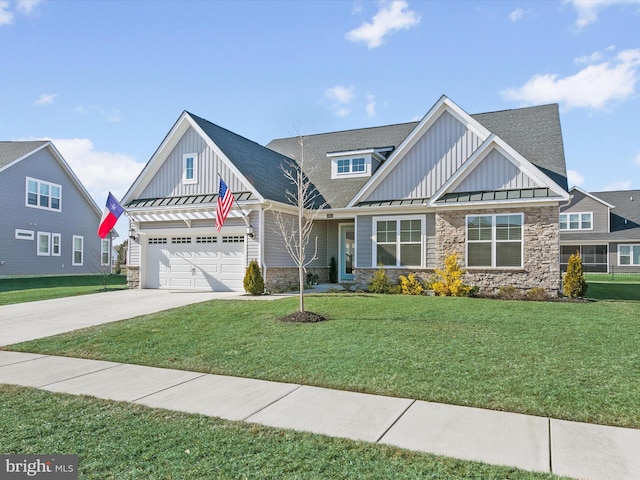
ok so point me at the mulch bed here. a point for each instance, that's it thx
(303, 317)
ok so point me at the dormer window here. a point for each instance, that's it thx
(351, 165)
(189, 168)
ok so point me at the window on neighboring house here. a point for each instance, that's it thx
(576, 221)
(190, 168)
(78, 247)
(494, 240)
(42, 194)
(56, 240)
(105, 255)
(24, 234)
(44, 245)
(398, 242)
(629, 255)
(594, 257)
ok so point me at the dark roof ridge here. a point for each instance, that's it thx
(348, 130)
(553, 104)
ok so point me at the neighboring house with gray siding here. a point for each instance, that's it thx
(49, 220)
(487, 187)
(604, 227)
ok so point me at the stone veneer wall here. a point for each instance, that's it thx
(280, 279)
(541, 250)
(133, 277)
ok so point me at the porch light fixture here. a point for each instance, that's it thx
(249, 231)
(132, 234)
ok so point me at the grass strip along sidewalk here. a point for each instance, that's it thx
(115, 440)
(21, 290)
(572, 361)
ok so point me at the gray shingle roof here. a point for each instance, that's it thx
(11, 151)
(261, 166)
(338, 193)
(627, 207)
(534, 132)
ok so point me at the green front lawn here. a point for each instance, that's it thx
(30, 289)
(115, 440)
(574, 361)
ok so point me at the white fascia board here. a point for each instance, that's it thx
(491, 143)
(442, 105)
(592, 196)
(350, 153)
(157, 159)
(58, 156)
(224, 158)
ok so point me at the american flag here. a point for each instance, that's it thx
(225, 200)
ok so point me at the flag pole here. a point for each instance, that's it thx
(234, 202)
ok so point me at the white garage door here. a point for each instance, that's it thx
(214, 262)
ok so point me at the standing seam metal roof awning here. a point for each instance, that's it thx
(184, 200)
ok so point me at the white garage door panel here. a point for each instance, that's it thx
(209, 266)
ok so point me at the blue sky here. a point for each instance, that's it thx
(106, 80)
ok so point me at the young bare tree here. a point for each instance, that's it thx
(297, 230)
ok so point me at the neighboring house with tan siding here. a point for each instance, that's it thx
(488, 187)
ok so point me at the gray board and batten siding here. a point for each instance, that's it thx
(77, 216)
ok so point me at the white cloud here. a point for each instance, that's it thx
(596, 86)
(588, 10)
(574, 178)
(112, 115)
(27, 6)
(99, 172)
(6, 15)
(622, 185)
(390, 18)
(595, 56)
(45, 99)
(518, 14)
(340, 97)
(371, 105)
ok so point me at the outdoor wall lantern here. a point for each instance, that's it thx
(249, 231)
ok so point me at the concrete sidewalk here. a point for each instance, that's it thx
(531, 443)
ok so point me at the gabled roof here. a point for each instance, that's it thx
(338, 193)
(533, 132)
(627, 207)
(14, 152)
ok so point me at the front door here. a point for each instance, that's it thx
(347, 252)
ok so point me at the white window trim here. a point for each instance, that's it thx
(350, 173)
(494, 241)
(398, 219)
(24, 234)
(39, 182)
(73, 251)
(48, 252)
(194, 180)
(103, 250)
(569, 229)
(55, 236)
(631, 247)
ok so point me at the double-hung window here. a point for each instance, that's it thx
(398, 242)
(576, 221)
(189, 168)
(78, 250)
(44, 195)
(629, 255)
(105, 247)
(494, 241)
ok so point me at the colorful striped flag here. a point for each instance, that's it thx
(112, 212)
(225, 200)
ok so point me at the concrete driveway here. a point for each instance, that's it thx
(31, 320)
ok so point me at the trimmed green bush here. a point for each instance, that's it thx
(574, 283)
(333, 270)
(253, 281)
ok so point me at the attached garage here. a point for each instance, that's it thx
(208, 262)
